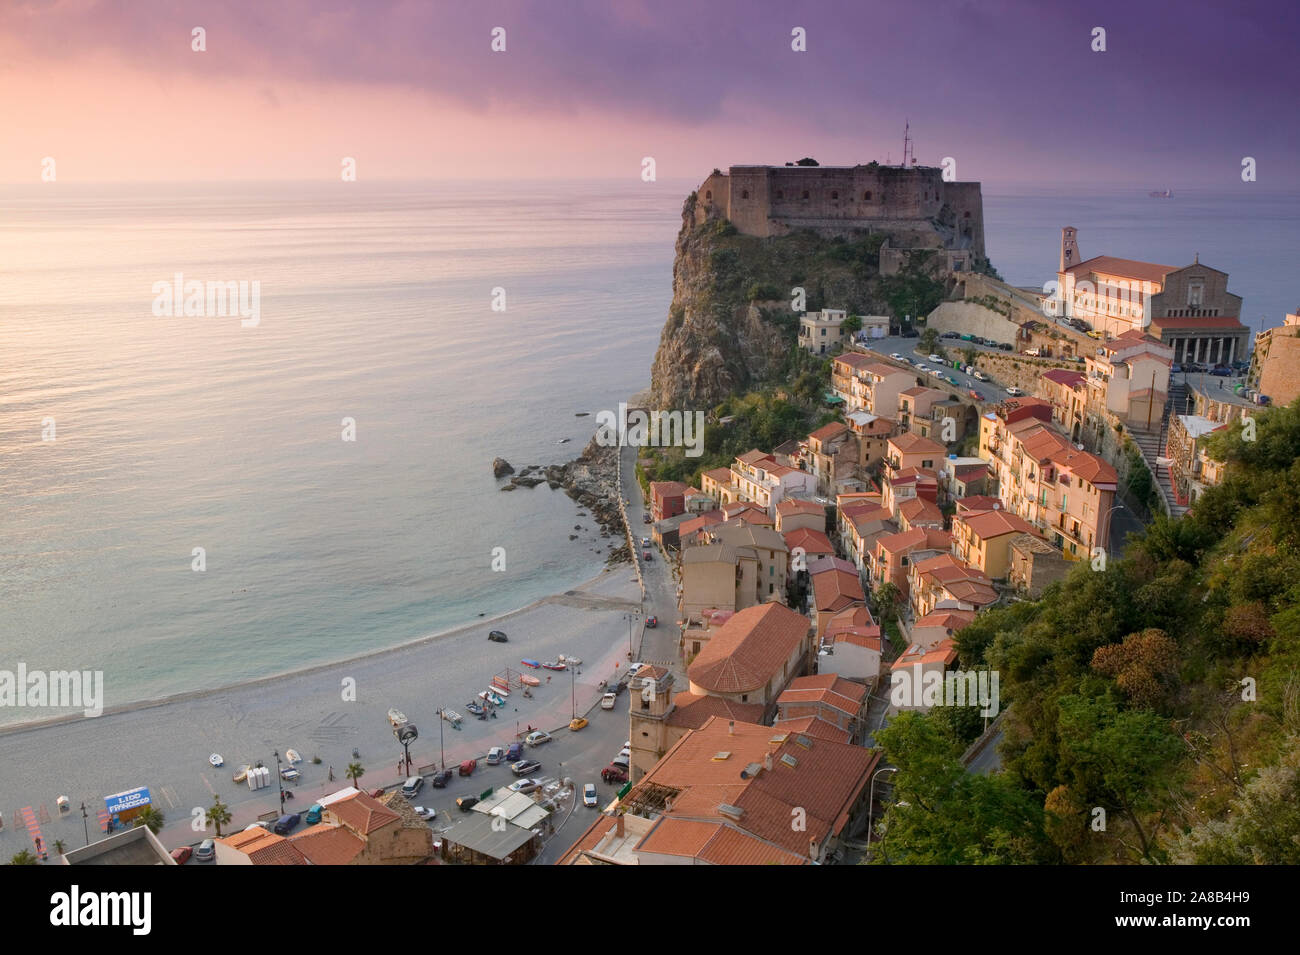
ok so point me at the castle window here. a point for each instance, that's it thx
(867, 195)
(744, 193)
(780, 194)
(966, 216)
(708, 196)
(834, 194)
(805, 193)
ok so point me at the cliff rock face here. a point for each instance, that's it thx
(731, 327)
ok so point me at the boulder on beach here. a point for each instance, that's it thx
(501, 467)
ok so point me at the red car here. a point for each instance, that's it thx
(613, 774)
(652, 622)
(182, 855)
(467, 768)
(376, 793)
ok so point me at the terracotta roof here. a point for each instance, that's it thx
(264, 848)
(853, 359)
(812, 542)
(918, 510)
(363, 813)
(695, 524)
(884, 370)
(908, 443)
(793, 505)
(950, 620)
(1127, 268)
(716, 843)
(814, 726)
(692, 710)
(1063, 376)
(721, 475)
(907, 541)
(835, 587)
(977, 502)
(945, 652)
(828, 431)
(921, 390)
(825, 778)
(987, 524)
(850, 617)
(754, 456)
(749, 649)
(324, 844)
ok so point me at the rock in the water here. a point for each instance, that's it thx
(573, 537)
(509, 487)
(501, 467)
(520, 481)
(581, 414)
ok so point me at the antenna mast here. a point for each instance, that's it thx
(908, 157)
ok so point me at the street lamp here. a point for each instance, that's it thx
(279, 780)
(573, 693)
(871, 799)
(629, 617)
(442, 755)
(85, 822)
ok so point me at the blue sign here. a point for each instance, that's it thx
(126, 801)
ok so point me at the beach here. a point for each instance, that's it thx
(164, 745)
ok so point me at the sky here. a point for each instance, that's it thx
(1012, 90)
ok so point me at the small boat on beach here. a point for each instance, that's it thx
(530, 663)
(292, 756)
(452, 717)
(475, 708)
(530, 681)
(396, 717)
(492, 698)
(289, 774)
(555, 665)
(216, 760)
(240, 776)
(571, 661)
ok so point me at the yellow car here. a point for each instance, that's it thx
(577, 723)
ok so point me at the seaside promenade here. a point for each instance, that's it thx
(165, 747)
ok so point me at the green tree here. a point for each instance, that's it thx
(354, 773)
(851, 325)
(218, 814)
(969, 355)
(152, 817)
(887, 598)
(1121, 760)
(929, 341)
(60, 846)
(26, 857)
(943, 815)
(913, 290)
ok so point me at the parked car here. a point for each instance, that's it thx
(645, 556)
(525, 786)
(411, 788)
(466, 803)
(626, 752)
(495, 755)
(514, 752)
(651, 622)
(950, 335)
(377, 793)
(440, 779)
(314, 813)
(577, 723)
(182, 855)
(935, 358)
(1005, 346)
(589, 795)
(923, 368)
(645, 542)
(467, 768)
(537, 738)
(936, 372)
(1221, 371)
(896, 356)
(425, 813)
(497, 636)
(607, 701)
(1175, 368)
(206, 852)
(286, 823)
(622, 762)
(979, 375)
(525, 766)
(258, 825)
(1014, 392)
(975, 394)
(614, 774)
(645, 519)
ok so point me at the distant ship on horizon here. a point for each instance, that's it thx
(1166, 194)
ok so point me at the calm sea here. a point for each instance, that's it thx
(173, 433)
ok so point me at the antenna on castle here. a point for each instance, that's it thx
(908, 158)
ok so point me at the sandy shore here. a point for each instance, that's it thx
(164, 744)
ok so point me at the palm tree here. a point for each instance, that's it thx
(354, 773)
(218, 814)
(23, 858)
(59, 846)
(152, 817)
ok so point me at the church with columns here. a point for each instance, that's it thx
(1188, 308)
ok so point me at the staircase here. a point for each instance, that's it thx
(1152, 445)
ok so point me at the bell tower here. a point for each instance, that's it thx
(1069, 248)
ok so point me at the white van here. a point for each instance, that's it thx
(495, 755)
(412, 786)
(607, 701)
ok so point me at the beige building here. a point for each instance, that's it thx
(833, 456)
(983, 540)
(753, 656)
(1035, 565)
(1275, 364)
(912, 451)
(821, 332)
(794, 514)
(1191, 470)
(1129, 377)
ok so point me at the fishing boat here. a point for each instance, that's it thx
(475, 708)
(492, 698)
(396, 717)
(289, 774)
(242, 775)
(292, 756)
(452, 717)
(1162, 194)
(530, 681)
(216, 760)
(555, 665)
(571, 661)
(530, 663)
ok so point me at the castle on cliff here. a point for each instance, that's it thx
(912, 205)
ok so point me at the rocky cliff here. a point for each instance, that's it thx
(731, 327)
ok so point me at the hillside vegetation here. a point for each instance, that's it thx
(1154, 704)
